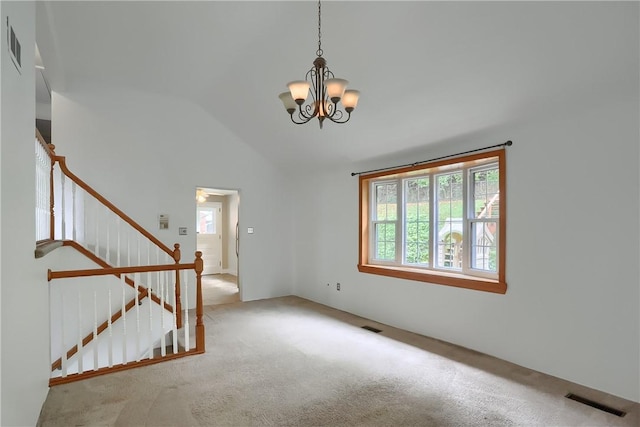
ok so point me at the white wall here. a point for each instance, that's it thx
(147, 153)
(572, 304)
(23, 288)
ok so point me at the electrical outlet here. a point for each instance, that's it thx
(338, 286)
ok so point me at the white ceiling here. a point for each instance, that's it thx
(428, 71)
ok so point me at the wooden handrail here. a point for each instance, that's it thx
(84, 251)
(47, 147)
(65, 274)
(131, 365)
(63, 167)
(142, 290)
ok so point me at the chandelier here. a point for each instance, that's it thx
(326, 91)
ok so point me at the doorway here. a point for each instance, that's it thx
(217, 239)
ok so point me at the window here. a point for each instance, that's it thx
(441, 223)
(206, 220)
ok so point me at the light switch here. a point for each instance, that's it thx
(250, 230)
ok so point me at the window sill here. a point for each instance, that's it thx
(441, 278)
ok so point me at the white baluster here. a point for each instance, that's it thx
(64, 207)
(149, 278)
(95, 329)
(85, 233)
(97, 249)
(136, 281)
(38, 192)
(138, 249)
(63, 346)
(186, 311)
(123, 286)
(128, 249)
(80, 352)
(74, 213)
(109, 328)
(175, 321)
(118, 240)
(163, 344)
(148, 252)
(108, 254)
(167, 280)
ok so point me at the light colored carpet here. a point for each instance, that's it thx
(220, 289)
(290, 362)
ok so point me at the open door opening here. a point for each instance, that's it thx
(217, 239)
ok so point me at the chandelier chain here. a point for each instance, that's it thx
(319, 51)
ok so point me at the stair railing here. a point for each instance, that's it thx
(130, 337)
(85, 216)
(69, 210)
(78, 213)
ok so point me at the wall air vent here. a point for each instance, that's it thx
(14, 47)
(372, 329)
(596, 405)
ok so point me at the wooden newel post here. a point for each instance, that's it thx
(178, 307)
(199, 325)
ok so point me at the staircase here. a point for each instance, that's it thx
(120, 305)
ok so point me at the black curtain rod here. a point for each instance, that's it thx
(504, 144)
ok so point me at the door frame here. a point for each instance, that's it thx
(232, 242)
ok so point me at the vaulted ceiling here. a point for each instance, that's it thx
(428, 71)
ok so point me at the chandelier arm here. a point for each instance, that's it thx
(339, 118)
(303, 119)
(309, 112)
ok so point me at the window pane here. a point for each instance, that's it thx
(486, 193)
(483, 248)
(416, 221)
(206, 223)
(449, 204)
(385, 242)
(386, 195)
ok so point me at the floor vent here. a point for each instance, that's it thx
(372, 329)
(596, 405)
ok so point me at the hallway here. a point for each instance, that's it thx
(220, 289)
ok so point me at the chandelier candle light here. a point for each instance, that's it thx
(326, 91)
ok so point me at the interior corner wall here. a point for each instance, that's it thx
(147, 153)
(233, 205)
(24, 334)
(572, 304)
